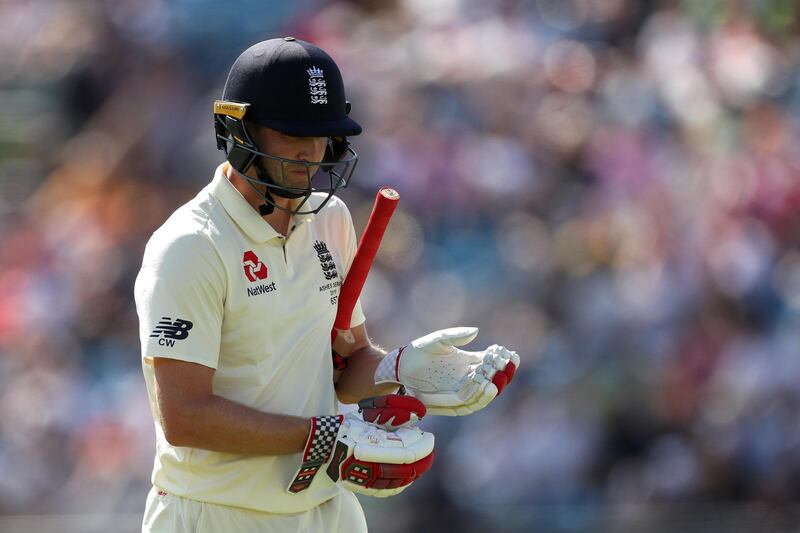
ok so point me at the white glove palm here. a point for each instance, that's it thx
(448, 380)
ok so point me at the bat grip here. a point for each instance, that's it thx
(382, 211)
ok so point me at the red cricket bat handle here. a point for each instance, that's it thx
(382, 211)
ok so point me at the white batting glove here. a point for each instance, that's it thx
(448, 380)
(362, 457)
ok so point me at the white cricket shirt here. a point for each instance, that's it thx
(220, 287)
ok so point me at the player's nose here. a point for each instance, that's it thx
(304, 149)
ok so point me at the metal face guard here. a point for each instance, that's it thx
(329, 175)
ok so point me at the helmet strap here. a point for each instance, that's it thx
(268, 207)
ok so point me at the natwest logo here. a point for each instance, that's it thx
(254, 269)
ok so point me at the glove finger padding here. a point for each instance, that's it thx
(381, 480)
(504, 362)
(369, 460)
(392, 411)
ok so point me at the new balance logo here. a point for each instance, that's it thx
(254, 269)
(168, 331)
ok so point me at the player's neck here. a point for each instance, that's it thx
(278, 219)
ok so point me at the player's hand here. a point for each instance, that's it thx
(392, 411)
(448, 380)
(363, 457)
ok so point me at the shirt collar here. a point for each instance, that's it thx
(298, 219)
(243, 213)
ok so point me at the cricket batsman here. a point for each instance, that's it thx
(237, 296)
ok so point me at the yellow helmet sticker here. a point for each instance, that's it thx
(231, 109)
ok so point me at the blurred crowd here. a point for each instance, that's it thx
(611, 187)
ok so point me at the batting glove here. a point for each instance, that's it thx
(363, 457)
(448, 380)
(392, 411)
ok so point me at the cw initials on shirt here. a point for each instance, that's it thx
(170, 331)
(254, 269)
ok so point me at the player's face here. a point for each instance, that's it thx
(278, 144)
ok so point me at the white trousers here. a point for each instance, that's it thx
(165, 513)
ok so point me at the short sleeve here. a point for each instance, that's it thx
(180, 293)
(351, 244)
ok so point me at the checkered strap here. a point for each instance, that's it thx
(386, 372)
(339, 362)
(321, 441)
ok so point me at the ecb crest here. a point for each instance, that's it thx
(317, 86)
(325, 260)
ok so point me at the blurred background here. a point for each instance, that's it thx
(611, 187)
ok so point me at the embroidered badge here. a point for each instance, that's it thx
(316, 86)
(326, 261)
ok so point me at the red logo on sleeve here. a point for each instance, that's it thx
(254, 269)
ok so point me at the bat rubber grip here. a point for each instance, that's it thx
(382, 211)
